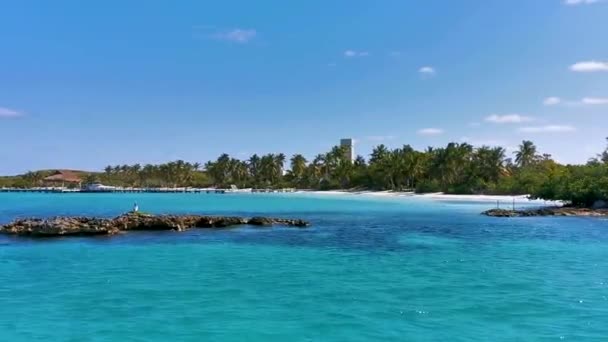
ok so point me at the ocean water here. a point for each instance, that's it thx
(369, 269)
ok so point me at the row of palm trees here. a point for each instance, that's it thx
(257, 171)
(457, 167)
(175, 174)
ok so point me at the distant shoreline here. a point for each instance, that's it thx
(501, 199)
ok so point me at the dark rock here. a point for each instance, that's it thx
(267, 221)
(223, 222)
(61, 226)
(260, 221)
(547, 211)
(134, 221)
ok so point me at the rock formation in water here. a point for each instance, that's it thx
(66, 226)
(548, 211)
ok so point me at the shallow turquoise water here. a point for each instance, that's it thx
(369, 269)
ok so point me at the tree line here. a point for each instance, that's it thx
(457, 168)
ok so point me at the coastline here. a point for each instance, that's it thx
(439, 196)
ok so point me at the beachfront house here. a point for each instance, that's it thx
(63, 178)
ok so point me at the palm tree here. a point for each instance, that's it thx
(449, 164)
(239, 172)
(379, 152)
(253, 165)
(315, 170)
(418, 167)
(279, 162)
(220, 169)
(298, 167)
(380, 164)
(488, 163)
(526, 154)
(360, 161)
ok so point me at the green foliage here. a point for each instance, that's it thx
(173, 174)
(581, 185)
(427, 186)
(457, 168)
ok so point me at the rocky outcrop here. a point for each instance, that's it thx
(265, 221)
(66, 226)
(548, 211)
(60, 226)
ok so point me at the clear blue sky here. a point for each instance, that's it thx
(84, 84)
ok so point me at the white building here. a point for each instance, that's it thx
(98, 187)
(349, 146)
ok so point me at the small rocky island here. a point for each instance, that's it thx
(547, 211)
(87, 226)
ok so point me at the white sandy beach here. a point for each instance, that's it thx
(432, 196)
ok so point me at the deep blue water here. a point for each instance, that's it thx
(369, 269)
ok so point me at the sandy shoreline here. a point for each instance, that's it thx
(502, 199)
(432, 196)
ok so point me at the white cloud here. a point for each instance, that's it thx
(353, 53)
(589, 66)
(427, 70)
(378, 138)
(594, 101)
(580, 2)
(508, 118)
(552, 101)
(547, 129)
(585, 101)
(236, 35)
(430, 131)
(9, 113)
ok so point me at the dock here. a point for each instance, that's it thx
(143, 190)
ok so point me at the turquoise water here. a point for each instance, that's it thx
(369, 269)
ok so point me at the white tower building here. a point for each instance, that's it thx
(349, 146)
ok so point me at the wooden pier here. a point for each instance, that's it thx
(145, 190)
(118, 190)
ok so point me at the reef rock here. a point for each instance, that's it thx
(60, 226)
(548, 211)
(65, 226)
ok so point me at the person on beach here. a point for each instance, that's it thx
(135, 207)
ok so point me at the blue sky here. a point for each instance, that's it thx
(86, 84)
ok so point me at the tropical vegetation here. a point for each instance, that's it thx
(458, 168)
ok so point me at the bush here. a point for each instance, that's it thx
(428, 186)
